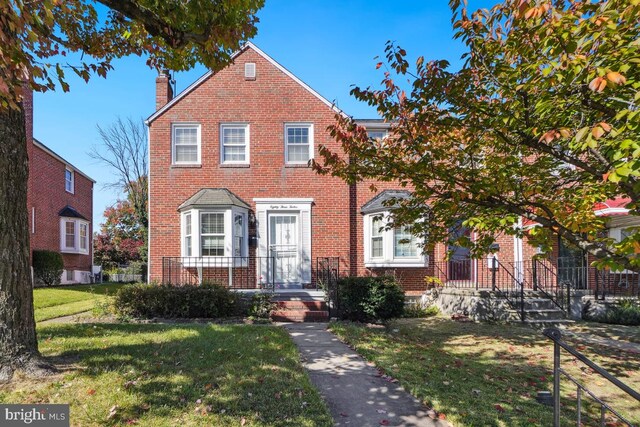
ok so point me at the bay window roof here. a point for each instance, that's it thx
(382, 201)
(69, 212)
(211, 197)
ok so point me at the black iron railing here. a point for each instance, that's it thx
(327, 275)
(611, 283)
(582, 391)
(234, 272)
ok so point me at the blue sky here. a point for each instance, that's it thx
(330, 45)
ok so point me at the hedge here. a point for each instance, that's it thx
(48, 266)
(370, 299)
(166, 301)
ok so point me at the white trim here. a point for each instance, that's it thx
(282, 200)
(388, 258)
(610, 211)
(177, 125)
(196, 235)
(307, 125)
(208, 74)
(247, 139)
(75, 249)
(72, 181)
(33, 220)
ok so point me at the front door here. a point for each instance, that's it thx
(459, 267)
(284, 248)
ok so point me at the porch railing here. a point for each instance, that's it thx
(234, 272)
(581, 391)
(611, 283)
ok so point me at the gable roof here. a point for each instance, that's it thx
(214, 197)
(56, 156)
(381, 201)
(247, 45)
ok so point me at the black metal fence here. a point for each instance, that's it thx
(582, 392)
(610, 283)
(234, 272)
(327, 275)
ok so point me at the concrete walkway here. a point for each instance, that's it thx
(355, 392)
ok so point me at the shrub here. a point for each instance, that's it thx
(48, 267)
(165, 301)
(415, 311)
(261, 305)
(627, 312)
(370, 299)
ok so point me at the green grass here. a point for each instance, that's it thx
(61, 301)
(488, 374)
(168, 375)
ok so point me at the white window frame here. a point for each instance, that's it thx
(175, 126)
(388, 258)
(384, 132)
(247, 140)
(69, 185)
(196, 235)
(187, 240)
(77, 246)
(223, 234)
(287, 126)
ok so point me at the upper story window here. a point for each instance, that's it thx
(186, 144)
(298, 143)
(390, 247)
(68, 180)
(74, 236)
(377, 134)
(234, 143)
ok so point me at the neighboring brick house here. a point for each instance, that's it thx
(60, 206)
(232, 198)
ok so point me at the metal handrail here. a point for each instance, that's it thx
(536, 285)
(496, 265)
(556, 336)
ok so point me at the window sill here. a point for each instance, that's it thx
(396, 264)
(70, 192)
(179, 166)
(297, 165)
(74, 252)
(235, 165)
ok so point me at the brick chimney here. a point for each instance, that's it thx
(164, 91)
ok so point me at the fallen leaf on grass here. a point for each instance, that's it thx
(499, 408)
(91, 392)
(112, 412)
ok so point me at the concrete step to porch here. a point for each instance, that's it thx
(300, 315)
(312, 305)
(540, 314)
(539, 304)
(548, 323)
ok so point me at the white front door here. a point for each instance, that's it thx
(284, 248)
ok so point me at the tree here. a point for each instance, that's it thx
(126, 151)
(121, 238)
(36, 38)
(539, 124)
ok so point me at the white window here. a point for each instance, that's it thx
(298, 143)
(69, 275)
(377, 237)
(390, 247)
(187, 235)
(234, 143)
(68, 180)
(212, 234)
(186, 144)
(74, 236)
(215, 233)
(377, 134)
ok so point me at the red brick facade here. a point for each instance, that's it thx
(47, 196)
(265, 103)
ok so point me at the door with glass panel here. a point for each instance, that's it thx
(283, 247)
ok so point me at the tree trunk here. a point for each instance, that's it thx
(18, 344)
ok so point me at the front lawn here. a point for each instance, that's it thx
(488, 374)
(61, 301)
(168, 375)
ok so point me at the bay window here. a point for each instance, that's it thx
(390, 246)
(214, 232)
(74, 236)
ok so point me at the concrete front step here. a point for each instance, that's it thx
(300, 315)
(301, 305)
(548, 323)
(552, 314)
(539, 304)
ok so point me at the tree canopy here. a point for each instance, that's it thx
(121, 239)
(38, 36)
(540, 123)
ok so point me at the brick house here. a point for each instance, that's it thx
(60, 206)
(232, 198)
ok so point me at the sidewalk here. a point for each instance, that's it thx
(355, 392)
